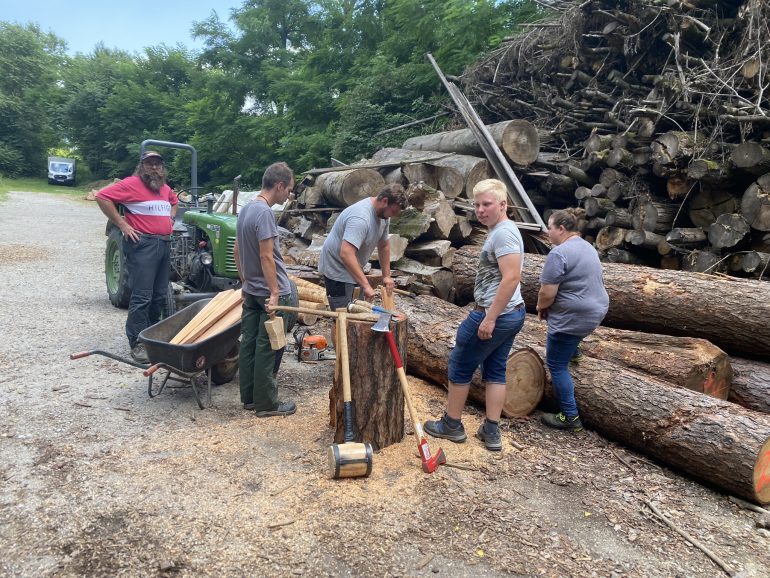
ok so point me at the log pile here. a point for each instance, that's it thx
(657, 118)
(663, 415)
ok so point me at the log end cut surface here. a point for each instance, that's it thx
(525, 382)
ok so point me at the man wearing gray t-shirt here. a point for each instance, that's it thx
(358, 230)
(264, 284)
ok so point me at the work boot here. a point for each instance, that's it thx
(561, 421)
(283, 408)
(490, 435)
(249, 406)
(139, 353)
(442, 429)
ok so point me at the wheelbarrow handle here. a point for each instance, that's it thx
(152, 369)
(80, 355)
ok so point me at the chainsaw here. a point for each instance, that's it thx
(309, 347)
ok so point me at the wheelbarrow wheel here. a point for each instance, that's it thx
(224, 371)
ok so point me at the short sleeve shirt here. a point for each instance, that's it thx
(256, 223)
(146, 211)
(503, 239)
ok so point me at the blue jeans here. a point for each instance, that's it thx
(559, 349)
(471, 352)
(148, 264)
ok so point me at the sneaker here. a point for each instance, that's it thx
(139, 353)
(441, 429)
(492, 440)
(284, 408)
(561, 421)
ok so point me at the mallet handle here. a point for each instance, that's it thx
(342, 345)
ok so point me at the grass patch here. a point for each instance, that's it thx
(37, 185)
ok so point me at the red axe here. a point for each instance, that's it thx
(429, 462)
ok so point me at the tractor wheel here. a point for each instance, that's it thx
(115, 271)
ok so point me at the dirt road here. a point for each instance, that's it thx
(97, 479)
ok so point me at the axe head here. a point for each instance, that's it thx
(430, 462)
(383, 323)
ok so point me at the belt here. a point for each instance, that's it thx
(481, 309)
(159, 237)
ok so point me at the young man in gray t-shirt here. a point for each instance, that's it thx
(485, 337)
(358, 230)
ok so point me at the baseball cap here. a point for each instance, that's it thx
(151, 155)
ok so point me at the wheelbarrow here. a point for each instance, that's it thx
(216, 357)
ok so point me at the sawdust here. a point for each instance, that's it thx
(125, 485)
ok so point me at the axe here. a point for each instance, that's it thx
(429, 462)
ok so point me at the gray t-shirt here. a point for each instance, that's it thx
(257, 223)
(503, 239)
(582, 301)
(360, 226)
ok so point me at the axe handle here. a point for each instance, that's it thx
(405, 386)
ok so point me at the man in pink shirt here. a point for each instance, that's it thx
(148, 218)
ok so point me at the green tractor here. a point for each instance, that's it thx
(202, 261)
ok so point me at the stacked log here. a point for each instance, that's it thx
(712, 440)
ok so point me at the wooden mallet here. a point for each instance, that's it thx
(350, 459)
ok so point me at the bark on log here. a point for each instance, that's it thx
(518, 139)
(656, 301)
(751, 384)
(644, 239)
(344, 188)
(654, 216)
(715, 441)
(755, 204)
(433, 325)
(378, 416)
(619, 217)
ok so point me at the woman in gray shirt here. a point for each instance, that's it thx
(573, 300)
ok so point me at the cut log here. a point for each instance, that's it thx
(708, 171)
(620, 158)
(644, 239)
(456, 175)
(706, 205)
(432, 327)
(597, 207)
(751, 384)
(461, 230)
(619, 217)
(712, 440)
(442, 219)
(577, 174)
(617, 255)
(434, 253)
(440, 279)
(654, 216)
(755, 262)
(609, 237)
(755, 204)
(678, 187)
(313, 294)
(701, 262)
(671, 262)
(752, 158)
(687, 237)
(518, 139)
(410, 223)
(656, 301)
(558, 186)
(728, 231)
(378, 415)
(344, 188)
(398, 245)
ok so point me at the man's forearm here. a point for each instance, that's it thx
(383, 252)
(269, 272)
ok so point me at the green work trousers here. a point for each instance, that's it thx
(258, 362)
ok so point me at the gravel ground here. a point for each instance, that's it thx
(100, 480)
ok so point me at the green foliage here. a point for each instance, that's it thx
(292, 80)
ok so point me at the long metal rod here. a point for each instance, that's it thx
(492, 152)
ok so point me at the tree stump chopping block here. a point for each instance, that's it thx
(378, 401)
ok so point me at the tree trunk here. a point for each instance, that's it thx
(751, 384)
(378, 401)
(709, 439)
(712, 440)
(344, 188)
(433, 325)
(657, 301)
(755, 204)
(518, 139)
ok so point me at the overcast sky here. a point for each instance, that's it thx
(126, 25)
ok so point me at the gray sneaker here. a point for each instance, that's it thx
(283, 408)
(441, 429)
(492, 440)
(139, 353)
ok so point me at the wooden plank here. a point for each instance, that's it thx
(202, 314)
(233, 300)
(230, 318)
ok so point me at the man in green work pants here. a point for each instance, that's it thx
(265, 283)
